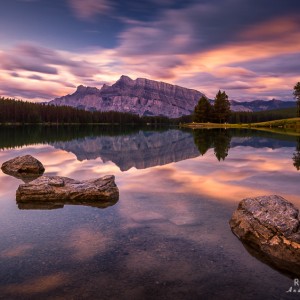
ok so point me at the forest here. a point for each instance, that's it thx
(17, 111)
(21, 112)
(262, 116)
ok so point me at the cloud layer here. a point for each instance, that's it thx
(249, 48)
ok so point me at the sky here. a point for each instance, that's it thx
(249, 48)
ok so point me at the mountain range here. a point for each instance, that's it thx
(151, 98)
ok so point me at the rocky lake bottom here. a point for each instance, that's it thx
(167, 237)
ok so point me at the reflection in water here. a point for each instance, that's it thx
(26, 178)
(222, 144)
(296, 155)
(60, 204)
(131, 147)
(141, 150)
(19, 136)
(203, 140)
(166, 238)
(289, 269)
(145, 149)
(218, 138)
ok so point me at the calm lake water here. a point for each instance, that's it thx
(168, 235)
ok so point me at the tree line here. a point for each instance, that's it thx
(219, 112)
(262, 116)
(17, 111)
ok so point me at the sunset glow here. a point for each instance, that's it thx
(48, 48)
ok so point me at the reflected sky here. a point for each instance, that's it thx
(246, 168)
(167, 236)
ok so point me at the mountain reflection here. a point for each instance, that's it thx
(141, 150)
(130, 146)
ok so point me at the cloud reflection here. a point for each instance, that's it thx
(85, 243)
(16, 251)
(37, 285)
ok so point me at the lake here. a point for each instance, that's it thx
(167, 237)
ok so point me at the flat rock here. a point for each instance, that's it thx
(23, 166)
(269, 225)
(63, 190)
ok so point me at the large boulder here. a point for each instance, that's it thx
(23, 166)
(269, 228)
(67, 191)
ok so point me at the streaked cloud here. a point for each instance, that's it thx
(88, 9)
(253, 52)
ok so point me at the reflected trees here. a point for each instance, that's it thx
(222, 144)
(296, 155)
(219, 139)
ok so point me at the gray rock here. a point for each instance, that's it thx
(66, 190)
(270, 226)
(23, 167)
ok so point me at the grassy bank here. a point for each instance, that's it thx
(283, 123)
(289, 126)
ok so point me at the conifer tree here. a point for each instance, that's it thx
(221, 107)
(296, 94)
(202, 111)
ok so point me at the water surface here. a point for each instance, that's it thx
(168, 235)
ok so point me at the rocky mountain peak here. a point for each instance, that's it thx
(105, 86)
(147, 97)
(81, 89)
(125, 80)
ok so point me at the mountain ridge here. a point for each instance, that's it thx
(147, 97)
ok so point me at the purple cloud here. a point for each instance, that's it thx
(35, 77)
(87, 9)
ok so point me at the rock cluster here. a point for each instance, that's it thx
(270, 226)
(49, 192)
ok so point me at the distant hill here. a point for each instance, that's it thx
(261, 105)
(150, 98)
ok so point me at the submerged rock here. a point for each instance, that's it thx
(63, 190)
(23, 167)
(270, 226)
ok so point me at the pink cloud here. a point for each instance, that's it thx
(87, 9)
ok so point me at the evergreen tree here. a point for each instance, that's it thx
(221, 107)
(202, 110)
(296, 94)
